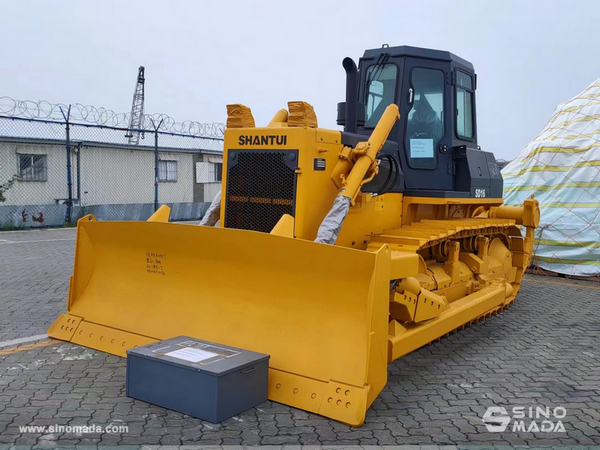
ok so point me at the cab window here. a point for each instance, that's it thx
(425, 122)
(464, 105)
(379, 91)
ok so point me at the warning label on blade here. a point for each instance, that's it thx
(155, 262)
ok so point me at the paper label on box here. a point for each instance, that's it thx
(191, 354)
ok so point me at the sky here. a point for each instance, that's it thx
(200, 56)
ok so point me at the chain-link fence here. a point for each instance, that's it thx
(54, 172)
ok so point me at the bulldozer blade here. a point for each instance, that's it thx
(320, 311)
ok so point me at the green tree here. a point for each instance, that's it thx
(5, 187)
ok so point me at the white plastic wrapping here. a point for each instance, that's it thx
(561, 166)
(332, 223)
(211, 217)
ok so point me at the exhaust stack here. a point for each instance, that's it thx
(350, 125)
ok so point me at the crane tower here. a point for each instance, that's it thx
(137, 110)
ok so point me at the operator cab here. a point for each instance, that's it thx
(434, 144)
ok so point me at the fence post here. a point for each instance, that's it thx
(79, 174)
(69, 179)
(156, 161)
(155, 170)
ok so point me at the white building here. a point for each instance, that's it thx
(105, 173)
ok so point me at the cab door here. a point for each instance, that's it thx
(427, 129)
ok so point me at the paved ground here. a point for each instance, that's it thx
(543, 351)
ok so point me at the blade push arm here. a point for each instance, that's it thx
(354, 164)
(349, 174)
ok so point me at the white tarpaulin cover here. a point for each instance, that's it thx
(211, 217)
(562, 168)
(333, 221)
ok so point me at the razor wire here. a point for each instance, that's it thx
(44, 110)
(58, 164)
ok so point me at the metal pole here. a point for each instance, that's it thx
(156, 128)
(69, 180)
(79, 173)
(155, 169)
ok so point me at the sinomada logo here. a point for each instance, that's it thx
(496, 419)
(532, 419)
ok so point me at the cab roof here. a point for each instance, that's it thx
(416, 52)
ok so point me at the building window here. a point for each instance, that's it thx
(167, 171)
(209, 172)
(218, 168)
(32, 167)
(464, 105)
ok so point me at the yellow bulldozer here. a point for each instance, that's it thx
(335, 252)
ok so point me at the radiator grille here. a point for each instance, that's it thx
(261, 188)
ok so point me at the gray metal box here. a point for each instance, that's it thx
(203, 379)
